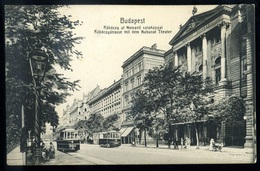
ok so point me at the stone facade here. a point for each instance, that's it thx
(134, 70)
(220, 43)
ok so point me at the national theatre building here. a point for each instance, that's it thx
(220, 43)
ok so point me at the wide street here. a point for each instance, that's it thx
(90, 154)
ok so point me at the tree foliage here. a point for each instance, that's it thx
(230, 110)
(111, 122)
(143, 108)
(27, 28)
(174, 95)
(97, 123)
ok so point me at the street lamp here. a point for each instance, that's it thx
(38, 60)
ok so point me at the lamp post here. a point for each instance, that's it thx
(38, 60)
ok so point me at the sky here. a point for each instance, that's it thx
(104, 54)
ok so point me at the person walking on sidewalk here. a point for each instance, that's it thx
(187, 143)
(211, 144)
(181, 143)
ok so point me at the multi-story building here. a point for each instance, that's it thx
(79, 110)
(65, 116)
(134, 70)
(220, 43)
(108, 101)
(85, 109)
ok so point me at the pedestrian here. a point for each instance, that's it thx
(187, 143)
(211, 144)
(181, 142)
(177, 143)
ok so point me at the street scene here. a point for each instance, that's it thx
(118, 85)
(90, 154)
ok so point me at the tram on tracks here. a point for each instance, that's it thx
(110, 139)
(68, 140)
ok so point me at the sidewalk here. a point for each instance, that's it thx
(15, 158)
(235, 151)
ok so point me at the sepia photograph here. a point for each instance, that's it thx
(130, 84)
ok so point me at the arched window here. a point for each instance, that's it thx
(218, 69)
(218, 61)
(200, 68)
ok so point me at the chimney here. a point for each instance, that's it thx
(154, 46)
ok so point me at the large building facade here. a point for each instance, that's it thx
(134, 70)
(220, 44)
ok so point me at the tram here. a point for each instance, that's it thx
(110, 139)
(68, 140)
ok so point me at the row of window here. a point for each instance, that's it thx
(132, 84)
(133, 70)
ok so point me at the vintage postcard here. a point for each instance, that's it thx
(130, 84)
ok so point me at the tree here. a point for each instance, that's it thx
(26, 28)
(230, 110)
(111, 122)
(142, 112)
(95, 123)
(194, 98)
(163, 84)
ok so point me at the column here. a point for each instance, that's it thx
(189, 57)
(205, 55)
(223, 49)
(176, 60)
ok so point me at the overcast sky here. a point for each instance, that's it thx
(103, 54)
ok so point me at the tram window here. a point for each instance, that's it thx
(62, 135)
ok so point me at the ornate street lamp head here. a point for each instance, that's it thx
(38, 59)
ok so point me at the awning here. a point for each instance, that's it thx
(122, 130)
(127, 131)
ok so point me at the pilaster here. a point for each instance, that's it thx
(189, 57)
(205, 55)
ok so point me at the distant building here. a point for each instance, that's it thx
(79, 110)
(108, 101)
(85, 109)
(134, 70)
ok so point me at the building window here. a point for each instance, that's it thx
(133, 83)
(126, 86)
(218, 75)
(218, 69)
(139, 67)
(133, 71)
(200, 68)
(243, 47)
(126, 99)
(138, 80)
(244, 67)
